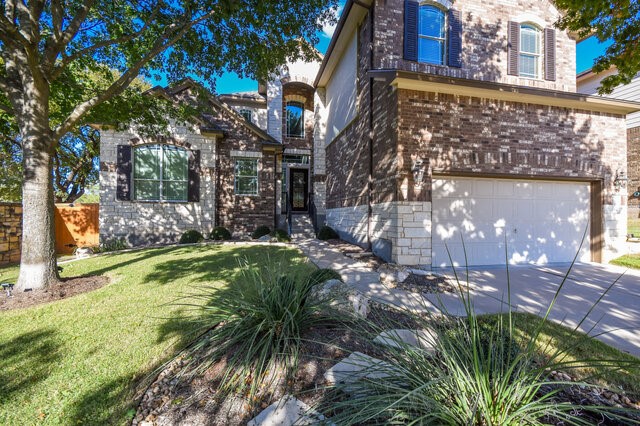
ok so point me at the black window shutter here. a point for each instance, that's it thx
(194, 176)
(455, 38)
(411, 9)
(550, 54)
(124, 171)
(513, 54)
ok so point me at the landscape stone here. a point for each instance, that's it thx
(395, 338)
(287, 411)
(343, 297)
(355, 367)
(391, 274)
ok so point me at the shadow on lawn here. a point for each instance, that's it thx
(187, 323)
(33, 355)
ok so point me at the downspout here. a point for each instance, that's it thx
(276, 188)
(371, 132)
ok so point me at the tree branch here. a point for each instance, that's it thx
(128, 76)
(52, 50)
(105, 43)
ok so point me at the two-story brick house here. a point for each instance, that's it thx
(456, 125)
(430, 127)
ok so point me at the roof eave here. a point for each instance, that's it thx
(512, 93)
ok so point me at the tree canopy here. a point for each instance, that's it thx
(616, 20)
(68, 62)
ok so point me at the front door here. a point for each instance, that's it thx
(298, 189)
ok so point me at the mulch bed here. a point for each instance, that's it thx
(65, 288)
(349, 249)
(427, 284)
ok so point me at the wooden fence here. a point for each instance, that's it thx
(76, 226)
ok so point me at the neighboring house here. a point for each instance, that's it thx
(429, 128)
(456, 126)
(588, 83)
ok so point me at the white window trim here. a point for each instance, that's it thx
(445, 51)
(539, 55)
(243, 111)
(235, 176)
(160, 180)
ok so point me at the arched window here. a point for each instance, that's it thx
(530, 51)
(160, 173)
(432, 34)
(295, 119)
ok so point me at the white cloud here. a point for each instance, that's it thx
(329, 28)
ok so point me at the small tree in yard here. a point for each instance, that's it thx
(615, 20)
(47, 48)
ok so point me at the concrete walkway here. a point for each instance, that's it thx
(615, 320)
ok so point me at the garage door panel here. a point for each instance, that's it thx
(541, 222)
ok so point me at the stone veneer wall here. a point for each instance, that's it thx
(10, 232)
(154, 222)
(633, 171)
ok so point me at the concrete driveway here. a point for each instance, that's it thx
(615, 320)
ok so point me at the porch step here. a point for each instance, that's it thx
(302, 227)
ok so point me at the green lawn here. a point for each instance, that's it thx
(629, 261)
(86, 359)
(576, 346)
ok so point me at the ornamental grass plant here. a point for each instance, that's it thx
(257, 327)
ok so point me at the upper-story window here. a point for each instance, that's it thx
(295, 119)
(160, 173)
(246, 113)
(432, 34)
(530, 51)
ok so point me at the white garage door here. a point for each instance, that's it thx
(543, 221)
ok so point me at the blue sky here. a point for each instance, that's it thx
(587, 52)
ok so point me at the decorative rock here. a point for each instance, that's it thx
(420, 272)
(82, 252)
(265, 238)
(355, 367)
(392, 274)
(287, 411)
(395, 338)
(343, 297)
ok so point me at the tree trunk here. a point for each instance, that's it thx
(38, 265)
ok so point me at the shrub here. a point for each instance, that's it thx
(260, 231)
(115, 244)
(262, 318)
(281, 235)
(321, 275)
(327, 233)
(469, 371)
(220, 233)
(191, 237)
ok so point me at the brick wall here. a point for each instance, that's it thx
(10, 232)
(484, 41)
(455, 134)
(633, 170)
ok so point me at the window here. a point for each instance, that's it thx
(295, 119)
(160, 173)
(246, 113)
(295, 158)
(529, 60)
(432, 32)
(246, 177)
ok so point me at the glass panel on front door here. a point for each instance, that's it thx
(299, 189)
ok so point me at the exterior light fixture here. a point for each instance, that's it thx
(620, 181)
